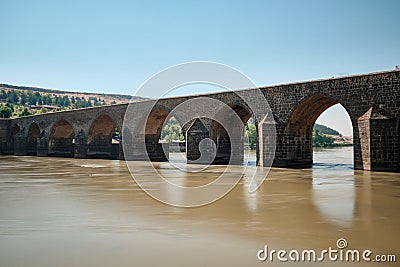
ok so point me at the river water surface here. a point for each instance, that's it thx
(85, 212)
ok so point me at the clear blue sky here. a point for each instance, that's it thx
(114, 46)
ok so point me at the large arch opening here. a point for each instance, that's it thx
(299, 130)
(62, 139)
(333, 139)
(31, 141)
(247, 143)
(103, 139)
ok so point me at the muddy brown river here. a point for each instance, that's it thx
(86, 212)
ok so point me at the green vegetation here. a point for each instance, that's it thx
(324, 129)
(172, 131)
(324, 136)
(251, 132)
(23, 103)
(321, 140)
(5, 112)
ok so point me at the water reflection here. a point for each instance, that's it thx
(333, 184)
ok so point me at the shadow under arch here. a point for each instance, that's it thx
(222, 140)
(62, 139)
(15, 129)
(31, 140)
(156, 150)
(103, 139)
(299, 128)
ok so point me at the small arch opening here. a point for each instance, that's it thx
(62, 139)
(246, 143)
(172, 135)
(104, 138)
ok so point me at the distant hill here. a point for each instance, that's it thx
(108, 98)
(324, 129)
(323, 136)
(18, 101)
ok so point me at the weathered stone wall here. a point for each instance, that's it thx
(357, 94)
(5, 133)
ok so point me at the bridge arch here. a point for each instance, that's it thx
(299, 127)
(61, 139)
(154, 124)
(221, 138)
(103, 138)
(31, 141)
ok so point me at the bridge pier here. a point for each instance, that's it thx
(5, 142)
(379, 142)
(42, 145)
(80, 146)
(197, 132)
(155, 150)
(121, 155)
(115, 151)
(267, 131)
(293, 149)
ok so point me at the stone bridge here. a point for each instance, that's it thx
(371, 100)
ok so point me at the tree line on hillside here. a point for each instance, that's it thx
(324, 129)
(20, 103)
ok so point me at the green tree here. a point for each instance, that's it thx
(24, 112)
(43, 110)
(32, 99)
(46, 99)
(12, 97)
(324, 129)
(67, 102)
(251, 132)
(11, 106)
(5, 112)
(321, 140)
(172, 131)
(23, 98)
(3, 94)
